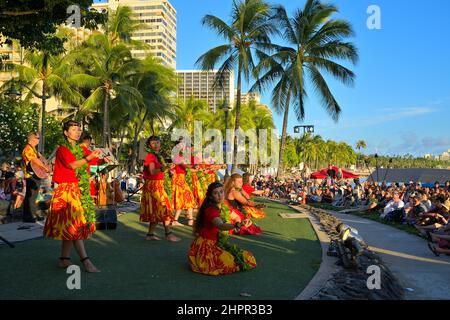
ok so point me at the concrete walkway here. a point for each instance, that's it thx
(423, 275)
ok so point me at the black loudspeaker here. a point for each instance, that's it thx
(106, 218)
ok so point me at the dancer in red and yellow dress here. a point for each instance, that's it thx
(85, 143)
(71, 217)
(210, 253)
(156, 205)
(183, 198)
(199, 183)
(236, 202)
(247, 191)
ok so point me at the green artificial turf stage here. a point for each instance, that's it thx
(288, 255)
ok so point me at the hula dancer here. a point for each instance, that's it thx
(210, 252)
(71, 217)
(199, 185)
(237, 203)
(254, 212)
(183, 198)
(156, 206)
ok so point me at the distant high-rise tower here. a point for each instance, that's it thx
(160, 31)
(199, 84)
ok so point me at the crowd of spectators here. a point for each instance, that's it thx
(424, 207)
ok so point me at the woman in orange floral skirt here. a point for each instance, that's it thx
(247, 191)
(210, 253)
(71, 217)
(156, 205)
(238, 204)
(182, 187)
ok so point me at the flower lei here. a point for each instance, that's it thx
(222, 240)
(167, 180)
(83, 182)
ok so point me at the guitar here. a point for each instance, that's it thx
(37, 166)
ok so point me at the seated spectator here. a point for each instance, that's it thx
(443, 244)
(414, 215)
(327, 196)
(43, 200)
(394, 209)
(436, 220)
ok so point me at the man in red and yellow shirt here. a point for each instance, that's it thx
(30, 154)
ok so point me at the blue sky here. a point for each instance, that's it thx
(401, 100)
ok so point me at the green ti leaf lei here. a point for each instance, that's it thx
(189, 178)
(201, 181)
(222, 240)
(167, 180)
(83, 182)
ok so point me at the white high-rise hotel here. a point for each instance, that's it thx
(159, 18)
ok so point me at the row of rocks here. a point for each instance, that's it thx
(352, 284)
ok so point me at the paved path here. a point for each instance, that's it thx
(407, 256)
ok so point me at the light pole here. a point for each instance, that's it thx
(12, 92)
(376, 163)
(306, 129)
(226, 108)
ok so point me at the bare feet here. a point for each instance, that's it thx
(175, 223)
(89, 266)
(64, 262)
(191, 222)
(152, 237)
(172, 238)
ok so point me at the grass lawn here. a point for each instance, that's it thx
(288, 255)
(371, 215)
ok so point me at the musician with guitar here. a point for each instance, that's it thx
(35, 169)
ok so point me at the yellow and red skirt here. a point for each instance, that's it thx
(207, 258)
(212, 177)
(254, 213)
(182, 196)
(155, 204)
(199, 194)
(65, 220)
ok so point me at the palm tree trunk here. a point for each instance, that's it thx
(106, 138)
(138, 129)
(42, 119)
(119, 150)
(283, 137)
(237, 123)
(41, 128)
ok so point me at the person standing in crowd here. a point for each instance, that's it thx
(71, 217)
(210, 253)
(32, 183)
(156, 204)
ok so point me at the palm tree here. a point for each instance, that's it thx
(314, 41)
(108, 67)
(361, 144)
(248, 31)
(44, 76)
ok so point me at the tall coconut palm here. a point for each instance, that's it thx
(45, 76)
(361, 144)
(248, 31)
(107, 67)
(314, 40)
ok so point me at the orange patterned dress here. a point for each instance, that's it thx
(65, 220)
(206, 257)
(183, 198)
(253, 212)
(155, 204)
